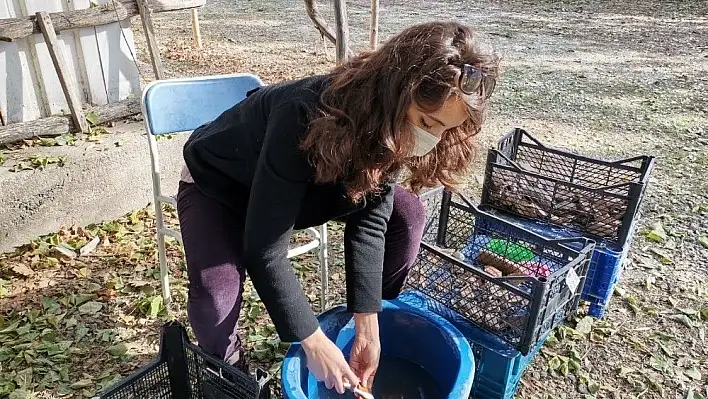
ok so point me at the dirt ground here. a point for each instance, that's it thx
(611, 79)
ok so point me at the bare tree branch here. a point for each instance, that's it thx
(321, 25)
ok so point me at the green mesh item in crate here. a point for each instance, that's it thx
(515, 252)
(183, 371)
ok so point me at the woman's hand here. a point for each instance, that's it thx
(327, 363)
(366, 349)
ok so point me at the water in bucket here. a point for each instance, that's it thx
(395, 379)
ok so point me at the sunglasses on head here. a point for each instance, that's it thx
(472, 81)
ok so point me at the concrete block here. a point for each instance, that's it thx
(99, 182)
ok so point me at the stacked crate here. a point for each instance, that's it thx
(560, 194)
(503, 286)
(552, 228)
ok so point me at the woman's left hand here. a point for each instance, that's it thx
(366, 349)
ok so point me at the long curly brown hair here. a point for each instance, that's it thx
(360, 135)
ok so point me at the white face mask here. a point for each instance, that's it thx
(424, 141)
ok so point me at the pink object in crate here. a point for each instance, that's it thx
(536, 269)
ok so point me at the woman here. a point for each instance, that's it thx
(300, 153)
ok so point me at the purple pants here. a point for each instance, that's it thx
(212, 236)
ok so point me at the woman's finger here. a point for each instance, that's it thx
(339, 384)
(352, 378)
(369, 378)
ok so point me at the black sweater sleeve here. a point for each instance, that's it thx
(281, 178)
(364, 252)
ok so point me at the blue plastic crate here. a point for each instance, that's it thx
(514, 302)
(604, 273)
(606, 264)
(499, 367)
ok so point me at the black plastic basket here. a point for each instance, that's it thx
(520, 304)
(594, 197)
(183, 371)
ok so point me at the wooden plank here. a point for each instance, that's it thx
(124, 77)
(115, 64)
(12, 29)
(90, 60)
(374, 29)
(63, 124)
(172, 5)
(196, 31)
(342, 29)
(149, 30)
(19, 95)
(105, 58)
(54, 100)
(70, 91)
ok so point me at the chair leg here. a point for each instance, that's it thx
(161, 254)
(324, 268)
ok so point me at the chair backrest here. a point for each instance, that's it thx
(184, 104)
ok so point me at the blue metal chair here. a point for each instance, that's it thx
(180, 106)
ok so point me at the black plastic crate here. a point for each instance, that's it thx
(183, 371)
(596, 198)
(521, 304)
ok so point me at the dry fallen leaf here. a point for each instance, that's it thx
(22, 270)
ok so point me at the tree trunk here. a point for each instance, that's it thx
(320, 24)
(342, 25)
(374, 30)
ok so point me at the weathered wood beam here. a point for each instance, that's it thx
(62, 124)
(171, 5)
(149, 30)
(71, 92)
(12, 29)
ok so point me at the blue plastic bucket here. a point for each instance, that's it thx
(416, 336)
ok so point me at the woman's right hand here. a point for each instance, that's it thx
(326, 362)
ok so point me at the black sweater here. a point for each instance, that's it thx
(248, 159)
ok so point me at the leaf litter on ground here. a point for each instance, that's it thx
(611, 357)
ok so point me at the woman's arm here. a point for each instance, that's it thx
(279, 185)
(364, 255)
(364, 252)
